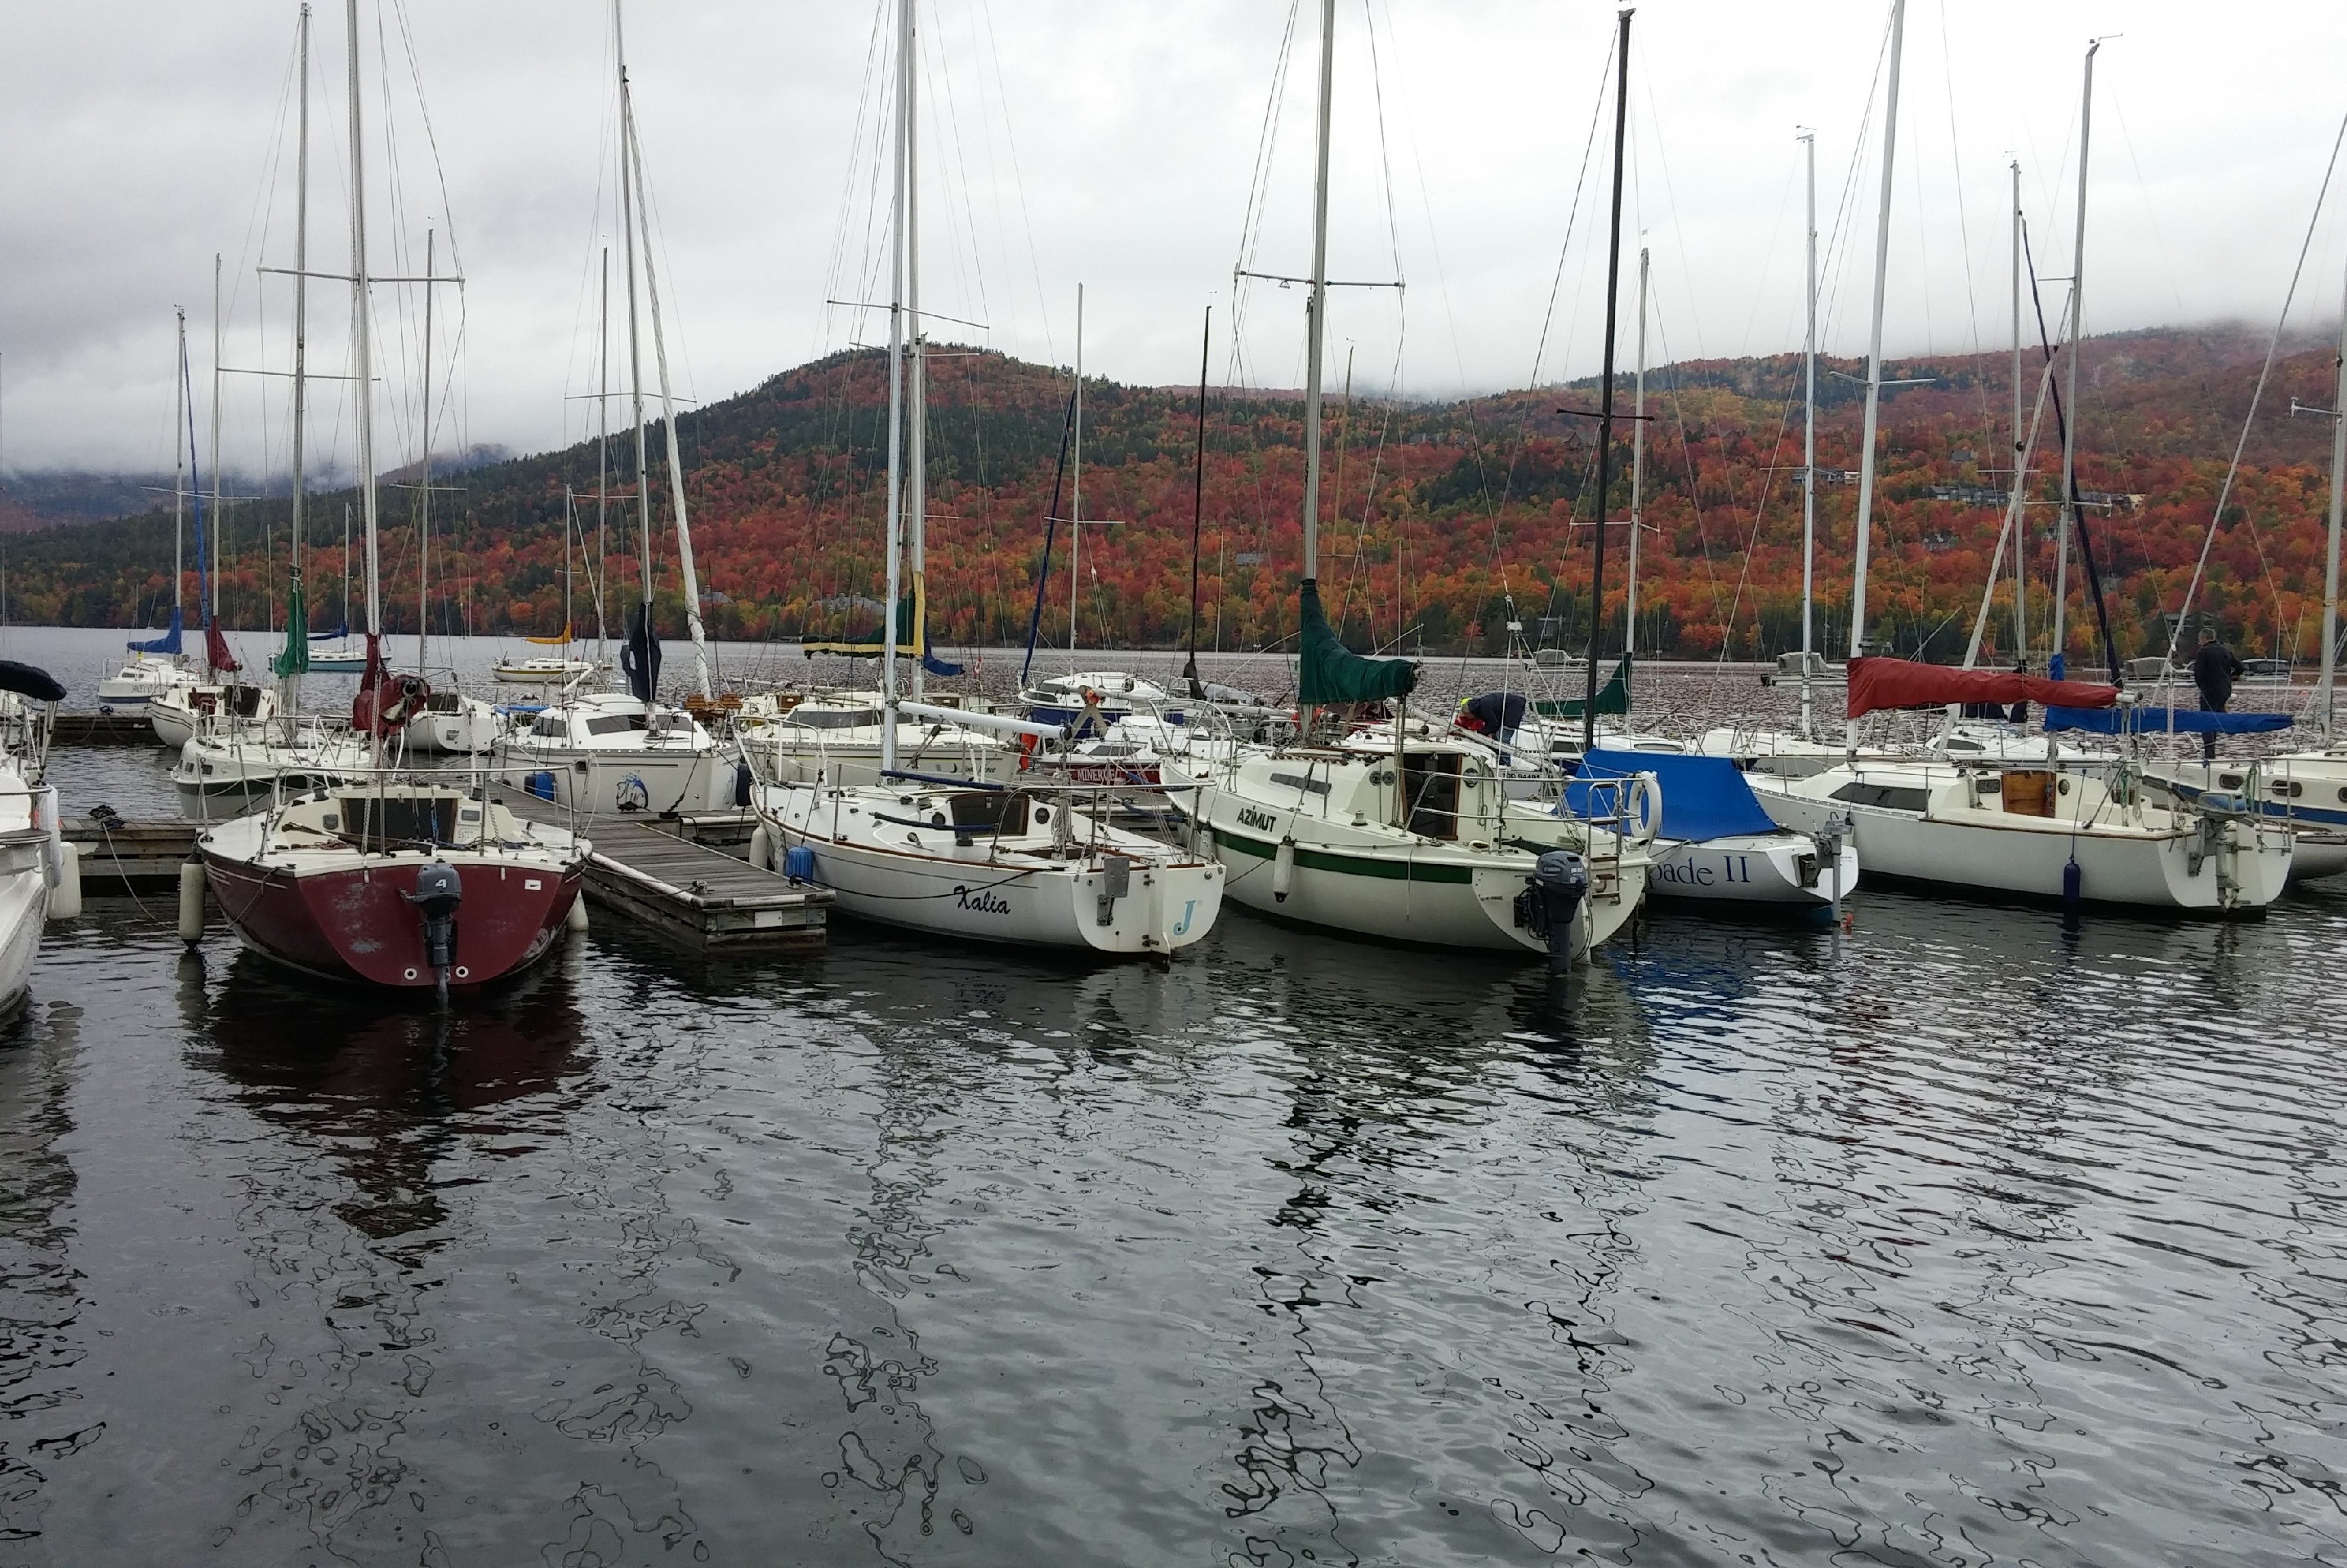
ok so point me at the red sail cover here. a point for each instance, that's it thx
(1902, 683)
(216, 652)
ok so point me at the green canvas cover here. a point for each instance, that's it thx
(911, 613)
(1330, 672)
(1613, 698)
(295, 659)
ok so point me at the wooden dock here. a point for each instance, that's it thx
(135, 857)
(662, 872)
(665, 873)
(79, 727)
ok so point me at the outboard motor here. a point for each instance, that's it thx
(1553, 895)
(438, 891)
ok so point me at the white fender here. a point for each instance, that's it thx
(762, 848)
(1283, 871)
(65, 899)
(576, 921)
(191, 902)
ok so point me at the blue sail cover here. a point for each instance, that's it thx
(1704, 798)
(2163, 721)
(340, 631)
(169, 643)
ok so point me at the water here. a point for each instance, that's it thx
(1961, 1239)
(1967, 1237)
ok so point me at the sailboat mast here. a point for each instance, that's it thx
(363, 339)
(1605, 386)
(2020, 442)
(1810, 442)
(897, 259)
(2077, 348)
(668, 423)
(635, 343)
(1874, 351)
(2324, 684)
(1076, 505)
(1315, 304)
(179, 480)
(602, 448)
(213, 614)
(424, 478)
(916, 390)
(1198, 504)
(300, 353)
(1638, 469)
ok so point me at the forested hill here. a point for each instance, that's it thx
(1444, 522)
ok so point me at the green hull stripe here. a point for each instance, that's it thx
(1350, 865)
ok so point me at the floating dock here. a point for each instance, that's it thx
(78, 727)
(663, 873)
(134, 857)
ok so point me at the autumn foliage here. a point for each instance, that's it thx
(1442, 523)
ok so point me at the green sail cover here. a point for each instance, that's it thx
(295, 659)
(1613, 698)
(1330, 672)
(912, 635)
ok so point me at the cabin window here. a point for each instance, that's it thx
(410, 822)
(618, 724)
(1430, 786)
(987, 812)
(551, 726)
(833, 717)
(1891, 796)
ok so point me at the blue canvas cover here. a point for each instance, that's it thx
(2162, 721)
(169, 643)
(1704, 798)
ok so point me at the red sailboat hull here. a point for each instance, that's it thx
(357, 924)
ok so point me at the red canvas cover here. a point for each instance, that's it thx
(1902, 683)
(216, 652)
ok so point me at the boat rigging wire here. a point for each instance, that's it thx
(2265, 373)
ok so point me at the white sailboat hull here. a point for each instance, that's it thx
(1756, 870)
(970, 893)
(2230, 867)
(1452, 903)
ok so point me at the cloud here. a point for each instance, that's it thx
(1109, 142)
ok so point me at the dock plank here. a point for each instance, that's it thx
(656, 871)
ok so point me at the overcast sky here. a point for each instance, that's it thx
(1111, 143)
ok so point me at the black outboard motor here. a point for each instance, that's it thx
(1552, 896)
(438, 891)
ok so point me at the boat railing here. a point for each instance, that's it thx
(1608, 806)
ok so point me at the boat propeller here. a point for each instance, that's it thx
(438, 892)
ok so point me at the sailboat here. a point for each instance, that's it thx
(380, 880)
(1381, 828)
(552, 669)
(159, 664)
(1012, 863)
(2031, 829)
(32, 847)
(625, 750)
(182, 709)
(339, 655)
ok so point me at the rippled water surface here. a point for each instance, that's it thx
(1962, 1238)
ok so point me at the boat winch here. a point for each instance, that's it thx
(438, 892)
(1553, 895)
